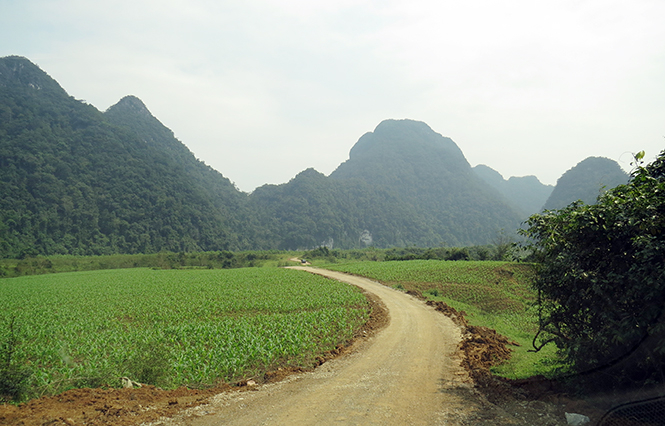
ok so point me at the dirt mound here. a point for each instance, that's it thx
(483, 347)
(104, 406)
(458, 317)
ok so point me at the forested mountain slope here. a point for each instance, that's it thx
(586, 181)
(526, 193)
(313, 210)
(75, 181)
(428, 174)
(403, 185)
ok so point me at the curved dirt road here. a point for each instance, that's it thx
(407, 374)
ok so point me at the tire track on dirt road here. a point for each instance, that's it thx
(406, 374)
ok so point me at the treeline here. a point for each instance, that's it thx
(34, 265)
(501, 251)
(164, 260)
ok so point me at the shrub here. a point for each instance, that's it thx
(601, 279)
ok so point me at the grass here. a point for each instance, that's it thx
(494, 294)
(195, 327)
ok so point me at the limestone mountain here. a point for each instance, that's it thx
(314, 210)
(586, 181)
(79, 181)
(428, 174)
(76, 180)
(526, 193)
(403, 185)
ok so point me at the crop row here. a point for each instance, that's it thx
(172, 327)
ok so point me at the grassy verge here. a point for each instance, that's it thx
(493, 294)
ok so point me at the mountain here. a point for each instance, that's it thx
(586, 181)
(403, 185)
(76, 180)
(314, 210)
(429, 174)
(79, 181)
(526, 193)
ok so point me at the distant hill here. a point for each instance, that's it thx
(78, 181)
(427, 175)
(403, 185)
(586, 181)
(526, 193)
(313, 210)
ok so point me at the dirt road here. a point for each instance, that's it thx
(407, 374)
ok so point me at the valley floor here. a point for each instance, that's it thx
(408, 372)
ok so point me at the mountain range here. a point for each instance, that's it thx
(76, 180)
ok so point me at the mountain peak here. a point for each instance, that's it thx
(391, 124)
(586, 181)
(131, 103)
(408, 138)
(17, 71)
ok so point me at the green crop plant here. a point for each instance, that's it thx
(13, 376)
(193, 327)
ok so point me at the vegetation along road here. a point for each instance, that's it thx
(407, 374)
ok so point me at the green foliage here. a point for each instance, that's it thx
(602, 277)
(164, 260)
(174, 327)
(497, 295)
(502, 251)
(14, 377)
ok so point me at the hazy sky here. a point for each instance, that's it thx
(263, 89)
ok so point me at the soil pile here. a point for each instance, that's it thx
(104, 406)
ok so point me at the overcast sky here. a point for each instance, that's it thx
(263, 89)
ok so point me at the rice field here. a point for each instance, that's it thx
(171, 327)
(494, 294)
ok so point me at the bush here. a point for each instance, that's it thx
(601, 279)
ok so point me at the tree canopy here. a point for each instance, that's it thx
(602, 277)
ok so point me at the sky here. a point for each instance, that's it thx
(263, 89)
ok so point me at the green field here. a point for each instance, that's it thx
(171, 327)
(494, 294)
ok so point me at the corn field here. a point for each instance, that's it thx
(171, 327)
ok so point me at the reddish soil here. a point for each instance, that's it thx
(483, 347)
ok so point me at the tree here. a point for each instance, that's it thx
(601, 279)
